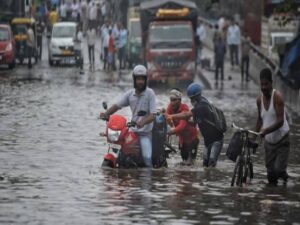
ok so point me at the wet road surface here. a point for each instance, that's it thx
(51, 152)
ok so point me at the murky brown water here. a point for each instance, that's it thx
(50, 157)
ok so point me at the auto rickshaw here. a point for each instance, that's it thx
(19, 28)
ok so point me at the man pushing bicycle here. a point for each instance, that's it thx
(273, 126)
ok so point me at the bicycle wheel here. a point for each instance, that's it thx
(248, 172)
(235, 171)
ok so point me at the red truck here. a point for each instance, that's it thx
(168, 39)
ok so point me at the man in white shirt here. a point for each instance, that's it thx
(201, 33)
(91, 40)
(233, 41)
(104, 43)
(30, 44)
(92, 14)
(63, 11)
(84, 16)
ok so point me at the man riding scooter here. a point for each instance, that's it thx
(140, 99)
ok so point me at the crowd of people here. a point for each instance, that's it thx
(93, 23)
(227, 35)
(271, 123)
(271, 120)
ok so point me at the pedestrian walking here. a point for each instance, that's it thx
(78, 47)
(69, 9)
(91, 41)
(93, 14)
(104, 44)
(245, 50)
(273, 126)
(122, 46)
(30, 44)
(280, 51)
(63, 11)
(201, 34)
(111, 50)
(40, 28)
(219, 51)
(115, 35)
(84, 16)
(233, 41)
(53, 18)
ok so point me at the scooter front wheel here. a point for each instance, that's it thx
(107, 163)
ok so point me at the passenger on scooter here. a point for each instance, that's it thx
(185, 130)
(142, 102)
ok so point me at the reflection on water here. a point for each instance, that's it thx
(50, 157)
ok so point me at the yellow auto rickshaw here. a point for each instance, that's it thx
(19, 28)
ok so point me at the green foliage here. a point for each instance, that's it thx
(288, 6)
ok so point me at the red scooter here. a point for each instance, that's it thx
(124, 149)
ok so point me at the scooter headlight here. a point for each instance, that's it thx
(113, 135)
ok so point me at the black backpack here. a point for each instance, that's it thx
(219, 119)
(235, 146)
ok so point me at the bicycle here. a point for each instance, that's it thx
(243, 166)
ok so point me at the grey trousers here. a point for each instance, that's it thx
(276, 159)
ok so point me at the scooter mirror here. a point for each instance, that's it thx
(142, 113)
(104, 105)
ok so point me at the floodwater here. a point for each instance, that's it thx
(51, 154)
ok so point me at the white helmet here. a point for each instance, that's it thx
(139, 70)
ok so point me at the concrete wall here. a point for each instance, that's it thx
(258, 61)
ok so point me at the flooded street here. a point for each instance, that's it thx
(51, 154)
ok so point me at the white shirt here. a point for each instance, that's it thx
(233, 35)
(75, 10)
(63, 10)
(79, 39)
(30, 39)
(103, 9)
(221, 23)
(91, 37)
(93, 12)
(201, 32)
(104, 36)
(269, 118)
(84, 9)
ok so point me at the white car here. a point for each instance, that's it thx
(61, 46)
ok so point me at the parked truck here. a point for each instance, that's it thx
(168, 39)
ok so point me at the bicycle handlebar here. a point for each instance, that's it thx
(245, 130)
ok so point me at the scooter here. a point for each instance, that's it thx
(124, 149)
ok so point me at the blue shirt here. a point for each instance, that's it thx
(146, 101)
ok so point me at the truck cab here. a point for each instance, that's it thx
(170, 51)
(168, 38)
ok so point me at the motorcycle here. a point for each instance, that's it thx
(124, 149)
